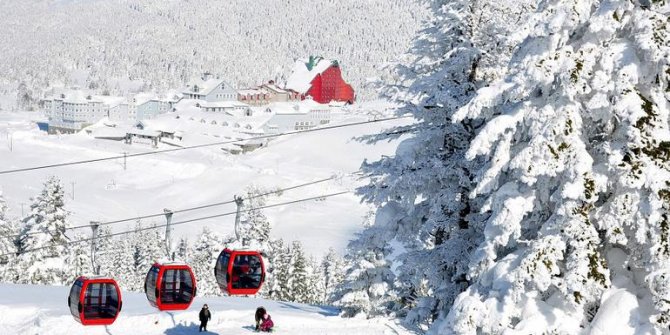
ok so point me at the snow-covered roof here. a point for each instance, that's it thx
(144, 132)
(274, 88)
(301, 107)
(251, 91)
(107, 129)
(204, 86)
(302, 76)
(223, 104)
(111, 101)
(85, 97)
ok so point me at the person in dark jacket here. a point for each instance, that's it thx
(205, 316)
(260, 312)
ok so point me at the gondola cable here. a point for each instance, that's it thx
(136, 218)
(179, 222)
(95, 160)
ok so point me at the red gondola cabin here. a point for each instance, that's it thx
(95, 300)
(240, 272)
(170, 286)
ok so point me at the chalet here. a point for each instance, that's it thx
(210, 89)
(320, 79)
(266, 94)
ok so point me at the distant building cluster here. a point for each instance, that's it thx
(303, 102)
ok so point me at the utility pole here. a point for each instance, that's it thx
(11, 141)
(239, 201)
(94, 237)
(73, 190)
(168, 239)
(125, 157)
(23, 203)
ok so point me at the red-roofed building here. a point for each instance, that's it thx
(321, 79)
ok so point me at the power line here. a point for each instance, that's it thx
(187, 209)
(181, 222)
(94, 160)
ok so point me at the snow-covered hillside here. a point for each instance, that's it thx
(105, 191)
(120, 44)
(26, 309)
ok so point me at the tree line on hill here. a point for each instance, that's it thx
(38, 249)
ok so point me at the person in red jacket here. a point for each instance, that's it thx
(267, 324)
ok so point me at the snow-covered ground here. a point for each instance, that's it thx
(105, 191)
(26, 309)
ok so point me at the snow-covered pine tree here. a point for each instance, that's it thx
(332, 269)
(42, 243)
(299, 281)
(105, 250)
(122, 263)
(368, 287)
(278, 271)
(425, 215)
(254, 225)
(45, 225)
(205, 251)
(148, 248)
(7, 232)
(78, 260)
(316, 282)
(183, 250)
(576, 140)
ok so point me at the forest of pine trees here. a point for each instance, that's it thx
(145, 45)
(292, 275)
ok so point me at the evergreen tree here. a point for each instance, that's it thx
(426, 220)
(148, 248)
(45, 225)
(203, 259)
(575, 163)
(299, 280)
(78, 260)
(183, 250)
(317, 285)
(7, 231)
(332, 270)
(122, 264)
(42, 243)
(278, 271)
(534, 181)
(254, 225)
(368, 287)
(105, 250)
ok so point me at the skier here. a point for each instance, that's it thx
(205, 316)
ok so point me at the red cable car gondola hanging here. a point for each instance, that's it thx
(95, 300)
(240, 272)
(170, 286)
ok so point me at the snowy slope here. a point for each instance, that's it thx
(26, 309)
(105, 191)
